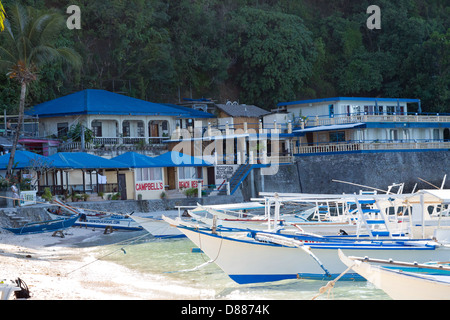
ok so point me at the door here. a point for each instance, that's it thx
(171, 178)
(309, 138)
(446, 134)
(122, 185)
(211, 176)
(154, 132)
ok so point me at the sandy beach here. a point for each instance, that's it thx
(54, 269)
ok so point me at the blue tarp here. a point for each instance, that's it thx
(93, 101)
(177, 159)
(82, 160)
(137, 160)
(25, 159)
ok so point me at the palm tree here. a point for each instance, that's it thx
(27, 44)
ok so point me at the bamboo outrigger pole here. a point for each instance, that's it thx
(360, 185)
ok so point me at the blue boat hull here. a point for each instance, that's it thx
(45, 226)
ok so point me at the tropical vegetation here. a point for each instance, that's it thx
(27, 44)
(257, 52)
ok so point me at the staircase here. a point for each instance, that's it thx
(11, 215)
(239, 175)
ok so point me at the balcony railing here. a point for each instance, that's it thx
(361, 117)
(110, 143)
(372, 146)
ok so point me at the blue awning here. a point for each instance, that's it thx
(137, 160)
(82, 160)
(26, 159)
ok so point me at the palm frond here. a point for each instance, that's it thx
(2, 17)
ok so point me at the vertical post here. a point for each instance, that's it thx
(82, 138)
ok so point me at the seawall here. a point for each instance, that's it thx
(377, 170)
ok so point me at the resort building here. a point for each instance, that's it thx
(347, 124)
(118, 123)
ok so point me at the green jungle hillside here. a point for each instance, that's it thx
(255, 51)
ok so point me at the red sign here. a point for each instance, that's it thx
(187, 184)
(149, 186)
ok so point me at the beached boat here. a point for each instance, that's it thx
(57, 224)
(116, 222)
(254, 256)
(95, 219)
(403, 280)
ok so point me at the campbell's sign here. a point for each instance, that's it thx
(150, 186)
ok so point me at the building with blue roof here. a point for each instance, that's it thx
(114, 120)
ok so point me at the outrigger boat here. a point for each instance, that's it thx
(97, 220)
(56, 224)
(157, 227)
(247, 255)
(403, 280)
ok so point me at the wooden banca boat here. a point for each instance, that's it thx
(404, 280)
(56, 224)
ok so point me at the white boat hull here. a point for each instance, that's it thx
(247, 261)
(402, 285)
(119, 223)
(158, 227)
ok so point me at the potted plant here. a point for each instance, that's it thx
(47, 195)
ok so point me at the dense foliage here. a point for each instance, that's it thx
(255, 51)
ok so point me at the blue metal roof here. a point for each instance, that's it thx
(94, 101)
(25, 159)
(177, 159)
(82, 160)
(137, 160)
(193, 113)
(348, 99)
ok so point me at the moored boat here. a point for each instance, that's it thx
(249, 257)
(158, 227)
(403, 280)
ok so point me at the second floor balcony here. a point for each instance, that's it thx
(103, 145)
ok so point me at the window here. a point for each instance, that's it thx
(436, 135)
(63, 129)
(187, 173)
(97, 128)
(140, 129)
(337, 136)
(394, 134)
(126, 129)
(390, 109)
(148, 174)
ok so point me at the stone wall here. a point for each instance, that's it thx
(376, 170)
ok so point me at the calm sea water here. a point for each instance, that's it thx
(170, 258)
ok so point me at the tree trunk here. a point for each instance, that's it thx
(23, 91)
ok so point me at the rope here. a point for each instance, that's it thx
(131, 241)
(206, 262)
(330, 285)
